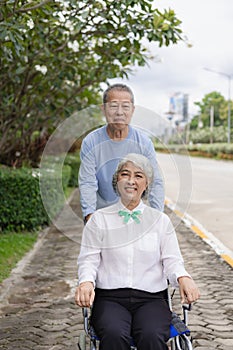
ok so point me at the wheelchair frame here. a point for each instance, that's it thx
(178, 340)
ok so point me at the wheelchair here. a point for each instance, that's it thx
(180, 335)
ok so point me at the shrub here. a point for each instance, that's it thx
(213, 150)
(21, 206)
(204, 135)
(73, 161)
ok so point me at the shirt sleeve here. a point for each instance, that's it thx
(172, 260)
(90, 252)
(88, 184)
(156, 193)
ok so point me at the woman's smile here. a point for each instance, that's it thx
(130, 188)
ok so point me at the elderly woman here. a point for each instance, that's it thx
(129, 251)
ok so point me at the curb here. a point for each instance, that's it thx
(208, 237)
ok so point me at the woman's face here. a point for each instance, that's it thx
(131, 183)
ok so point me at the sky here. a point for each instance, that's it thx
(208, 24)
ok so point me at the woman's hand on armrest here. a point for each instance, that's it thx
(85, 294)
(189, 292)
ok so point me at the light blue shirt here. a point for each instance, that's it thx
(100, 156)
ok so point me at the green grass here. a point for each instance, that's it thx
(13, 246)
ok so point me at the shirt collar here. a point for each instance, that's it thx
(140, 206)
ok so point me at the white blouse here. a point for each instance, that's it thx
(135, 255)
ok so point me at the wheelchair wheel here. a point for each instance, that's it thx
(172, 345)
(182, 342)
(94, 345)
(82, 341)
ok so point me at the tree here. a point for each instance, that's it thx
(54, 55)
(212, 100)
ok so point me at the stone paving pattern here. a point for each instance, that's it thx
(38, 312)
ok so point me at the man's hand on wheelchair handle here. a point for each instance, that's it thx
(85, 294)
(189, 292)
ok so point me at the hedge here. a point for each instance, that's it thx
(21, 206)
(212, 150)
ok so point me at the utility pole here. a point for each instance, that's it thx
(229, 77)
(211, 123)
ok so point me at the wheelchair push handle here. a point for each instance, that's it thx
(86, 319)
(187, 307)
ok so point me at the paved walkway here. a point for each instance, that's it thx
(37, 309)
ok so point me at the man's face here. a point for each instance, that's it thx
(119, 109)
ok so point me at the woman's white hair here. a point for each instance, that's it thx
(139, 161)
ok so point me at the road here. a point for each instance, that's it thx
(202, 188)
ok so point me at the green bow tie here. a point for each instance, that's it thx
(128, 215)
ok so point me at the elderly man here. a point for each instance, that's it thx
(102, 148)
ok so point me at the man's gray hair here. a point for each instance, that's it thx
(118, 87)
(139, 161)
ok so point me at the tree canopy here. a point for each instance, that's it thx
(220, 110)
(56, 53)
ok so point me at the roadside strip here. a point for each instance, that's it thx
(208, 237)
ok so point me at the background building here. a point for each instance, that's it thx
(178, 107)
